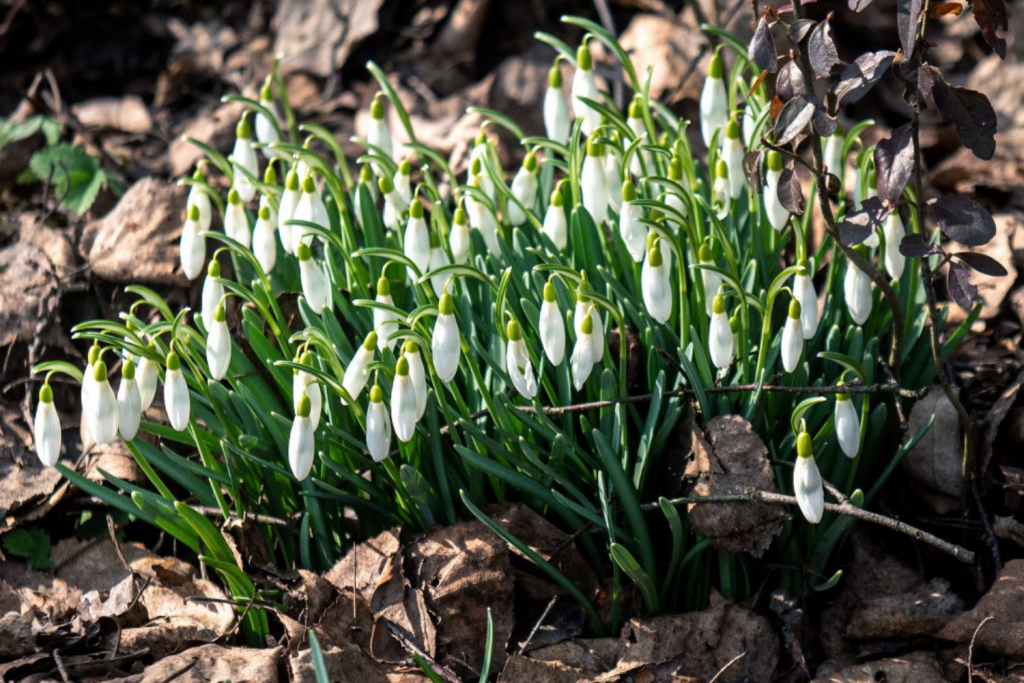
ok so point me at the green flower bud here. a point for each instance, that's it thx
(402, 367)
(716, 68)
(804, 445)
(173, 362)
(774, 160)
(244, 129)
(514, 330)
(304, 407)
(718, 304)
(794, 309)
(583, 58)
(555, 76)
(446, 305)
(303, 252)
(416, 209)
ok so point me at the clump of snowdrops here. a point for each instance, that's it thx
(467, 338)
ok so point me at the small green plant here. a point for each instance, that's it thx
(31, 543)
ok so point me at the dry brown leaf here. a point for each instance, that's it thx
(674, 49)
(935, 462)
(208, 663)
(40, 591)
(921, 611)
(396, 603)
(916, 667)
(592, 656)
(346, 663)
(732, 459)
(128, 113)
(23, 480)
(28, 290)
(363, 566)
(1004, 602)
(317, 35)
(215, 127)
(520, 669)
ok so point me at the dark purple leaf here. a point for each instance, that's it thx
(789, 8)
(859, 225)
(971, 113)
(894, 159)
(824, 125)
(908, 18)
(822, 50)
(991, 17)
(793, 119)
(858, 78)
(753, 166)
(916, 246)
(799, 29)
(986, 265)
(958, 281)
(790, 82)
(964, 220)
(857, 5)
(762, 47)
(790, 193)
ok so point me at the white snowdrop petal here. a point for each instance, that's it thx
(378, 431)
(47, 434)
(847, 427)
(177, 401)
(301, 446)
(129, 408)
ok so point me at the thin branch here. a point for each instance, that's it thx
(442, 671)
(758, 496)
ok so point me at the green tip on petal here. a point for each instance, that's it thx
(718, 304)
(199, 175)
(385, 185)
(376, 394)
(244, 128)
(270, 175)
(193, 212)
(706, 255)
(549, 291)
(173, 362)
(219, 314)
(46, 394)
(234, 197)
(416, 208)
(405, 168)
(303, 252)
(446, 306)
(99, 371)
(530, 162)
(735, 323)
(94, 353)
(128, 370)
(636, 107)
(365, 174)
(587, 326)
(654, 256)
(514, 330)
(555, 76)
(732, 129)
(435, 240)
(804, 445)
(774, 160)
(308, 185)
(476, 167)
(594, 148)
(721, 169)
(264, 213)
(716, 68)
(410, 346)
(843, 397)
(628, 191)
(377, 108)
(371, 340)
(291, 182)
(460, 216)
(383, 286)
(583, 58)
(652, 238)
(794, 309)
(402, 367)
(265, 91)
(557, 198)
(213, 270)
(675, 168)
(304, 407)
(306, 358)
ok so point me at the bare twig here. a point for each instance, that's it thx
(441, 670)
(727, 665)
(970, 649)
(536, 626)
(990, 534)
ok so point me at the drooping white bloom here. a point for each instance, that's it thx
(301, 441)
(384, 321)
(714, 100)
(803, 291)
(750, 115)
(102, 413)
(310, 209)
(556, 226)
(378, 426)
(213, 292)
(458, 239)
(792, 338)
(315, 286)
(594, 182)
(894, 232)
(857, 293)
(833, 155)
(732, 154)
(403, 402)
(304, 382)
(807, 485)
(286, 209)
(584, 85)
(129, 402)
(720, 199)
(482, 217)
(585, 308)
(632, 231)
(264, 243)
(218, 345)
(524, 189)
(446, 342)
(266, 130)
(655, 284)
(198, 198)
(416, 244)
(89, 382)
(552, 326)
(712, 281)
(403, 180)
(356, 374)
(236, 223)
(517, 362)
(872, 241)
(778, 215)
(46, 429)
(438, 259)
(193, 245)
(671, 197)
(613, 175)
(378, 135)
(392, 199)
(584, 355)
(176, 397)
(146, 377)
(641, 159)
(721, 341)
(847, 425)
(478, 175)
(418, 375)
(557, 118)
(244, 162)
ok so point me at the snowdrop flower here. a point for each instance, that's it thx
(356, 374)
(266, 130)
(286, 209)
(129, 402)
(524, 189)
(218, 344)
(46, 430)
(584, 353)
(893, 260)
(807, 486)
(458, 238)
(750, 115)
(365, 181)
(384, 320)
(584, 85)
(198, 198)
(483, 219)
(872, 191)
(847, 425)
(476, 175)
(613, 174)
(103, 409)
(378, 135)
(803, 291)
(712, 280)
(176, 398)
(193, 245)
(735, 326)
(721, 341)
(594, 182)
(264, 246)
(89, 382)
(732, 154)
(315, 287)
(378, 426)
(552, 326)
(857, 291)
(584, 309)
(244, 162)
(556, 226)
(310, 209)
(633, 232)
(403, 402)
(720, 199)
(517, 361)
(418, 375)
(393, 201)
(641, 159)
(792, 338)
(655, 284)
(778, 215)
(236, 223)
(557, 119)
(833, 155)
(672, 198)
(146, 377)
(403, 180)
(416, 244)
(301, 441)
(446, 342)
(304, 383)
(714, 101)
(438, 259)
